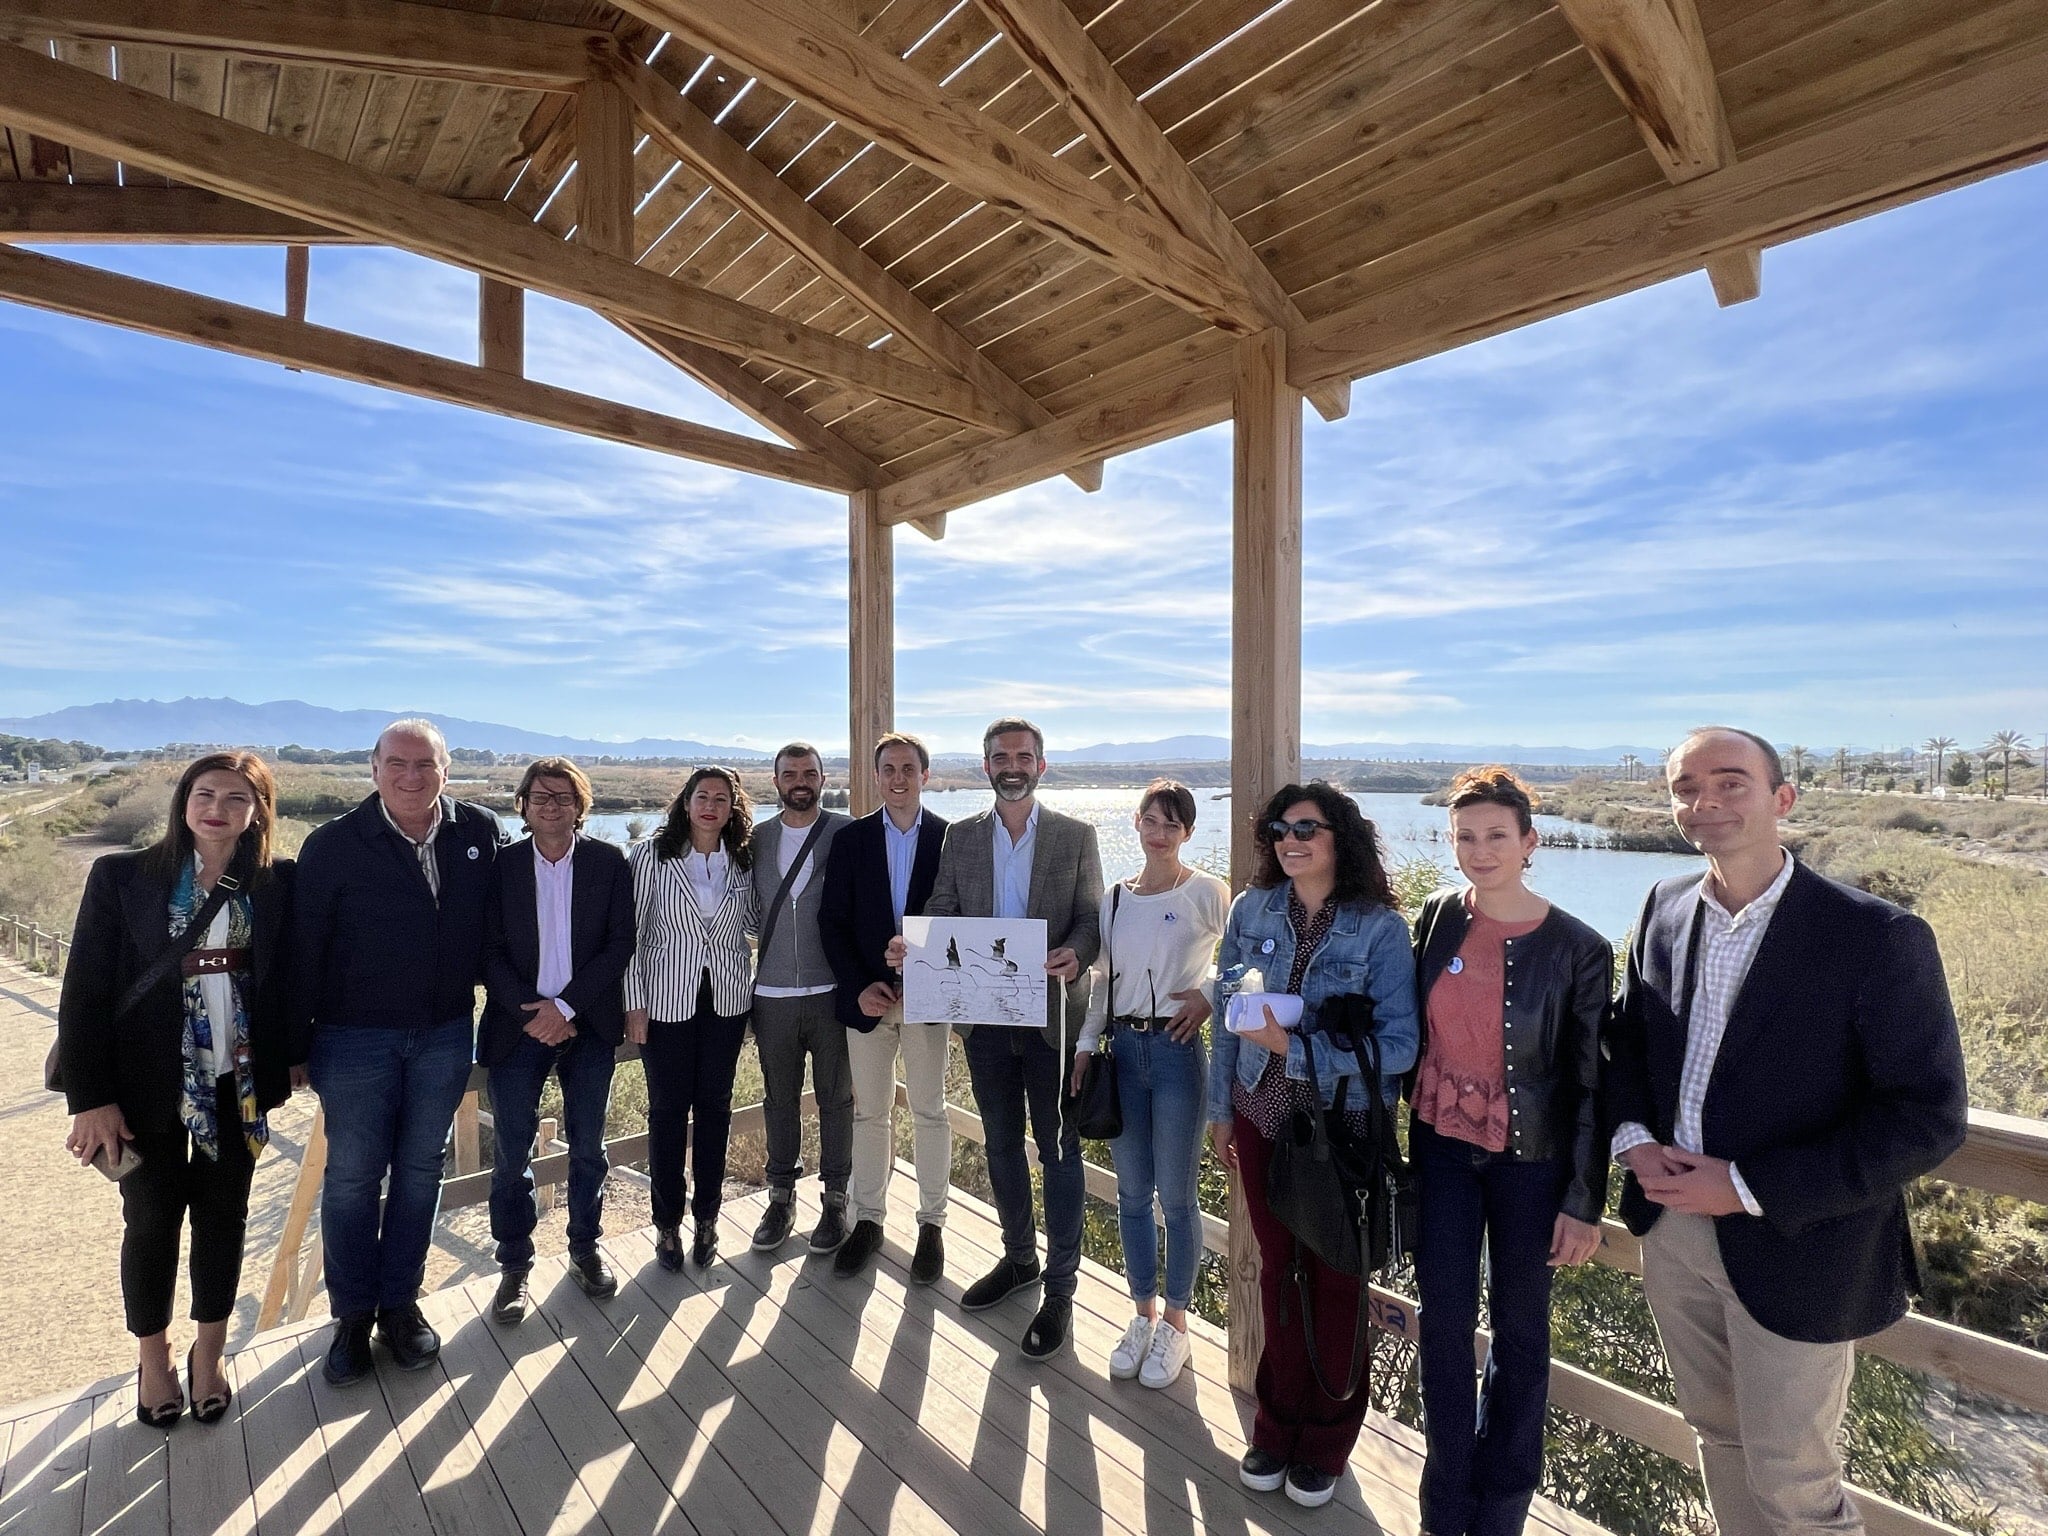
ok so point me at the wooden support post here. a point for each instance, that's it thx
(1265, 687)
(298, 274)
(604, 170)
(544, 1143)
(501, 326)
(468, 1135)
(870, 644)
(284, 1269)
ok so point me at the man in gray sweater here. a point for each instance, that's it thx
(794, 1014)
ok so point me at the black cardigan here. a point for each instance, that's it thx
(137, 1061)
(1561, 984)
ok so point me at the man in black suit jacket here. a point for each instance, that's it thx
(1783, 1060)
(881, 870)
(558, 935)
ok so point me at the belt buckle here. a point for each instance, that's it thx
(213, 962)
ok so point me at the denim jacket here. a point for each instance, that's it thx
(1367, 951)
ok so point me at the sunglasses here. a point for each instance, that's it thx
(1303, 831)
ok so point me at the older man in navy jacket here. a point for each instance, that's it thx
(1783, 1061)
(389, 944)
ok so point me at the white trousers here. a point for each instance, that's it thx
(873, 1056)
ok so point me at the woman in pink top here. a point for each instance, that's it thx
(1506, 1148)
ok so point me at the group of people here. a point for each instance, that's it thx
(1780, 1061)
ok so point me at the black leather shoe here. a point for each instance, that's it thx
(514, 1298)
(830, 1231)
(776, 1223)
(1047, 1335)
(1261, 1471)
(858, 1248)
(705, 1248)
(1308, 1487)
(929, 1262)
(594, 1276)
(668, 1248)
(348, 1356)
(405, 1333)
(1007, 1278)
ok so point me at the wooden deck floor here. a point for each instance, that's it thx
(762, 1396)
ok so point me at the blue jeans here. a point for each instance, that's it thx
(1163, 1087)
(390, 1098)
(1484, 1460)
(583, 1063)
(1014, 1072)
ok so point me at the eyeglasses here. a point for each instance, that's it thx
(547, 798)
(1303, 831)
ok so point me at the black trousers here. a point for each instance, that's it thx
(176, 1179)
(690, 1065)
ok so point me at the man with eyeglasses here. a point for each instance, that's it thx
(558, 935)
(1021, 859)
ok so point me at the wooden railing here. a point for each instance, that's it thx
(2002, 1154)
(28, 942)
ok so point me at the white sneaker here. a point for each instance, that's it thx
(1163, 1361)
(1129, 1353)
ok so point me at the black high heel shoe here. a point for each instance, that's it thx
(211, 1409)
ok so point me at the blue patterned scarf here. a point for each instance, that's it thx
(198, 1103)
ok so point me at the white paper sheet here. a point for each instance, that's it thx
(974, 970)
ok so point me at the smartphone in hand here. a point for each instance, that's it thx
(117, 1166)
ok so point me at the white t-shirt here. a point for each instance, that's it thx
(1159, 944)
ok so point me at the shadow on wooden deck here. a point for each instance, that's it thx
(764, 1395)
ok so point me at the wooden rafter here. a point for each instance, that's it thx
(76, 106)
(386, 35)
(50, 212)
(1947, 134)
(46, 282)
(809, 55)
(696, 140)
(1654, 55)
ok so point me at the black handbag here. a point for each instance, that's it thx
(1098, 1108)
(1346, 1198)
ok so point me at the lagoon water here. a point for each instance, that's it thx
(1603, 887)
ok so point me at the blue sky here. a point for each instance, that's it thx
(1824, 513)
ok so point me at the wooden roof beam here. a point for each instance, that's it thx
(1066, 59)
(1990, 117)
(53, 213)
(698, 142)
(1654, 55)
(87, 110)
(67, 288)
(386, 35)
(813, 58)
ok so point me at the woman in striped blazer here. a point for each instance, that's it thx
(688, 993)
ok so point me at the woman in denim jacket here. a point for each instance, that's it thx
(1321, 922)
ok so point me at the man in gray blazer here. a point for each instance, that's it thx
(794, 1011)
(1023, 860)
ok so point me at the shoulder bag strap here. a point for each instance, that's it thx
(774, 912)
(1109, 961)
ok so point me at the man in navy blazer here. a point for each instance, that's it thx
(881, 870)
(1784, 1059)
(558, 936)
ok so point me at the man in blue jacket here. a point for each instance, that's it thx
(390, 941)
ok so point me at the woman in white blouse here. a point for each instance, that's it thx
(688, 993)
(1159, 935)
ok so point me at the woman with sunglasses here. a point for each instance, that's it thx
(1159, 932)
(181, 1073)
(689, 990)
(1320, 923)
(1506, 1148)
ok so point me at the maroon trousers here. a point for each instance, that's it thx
(1297, 1421)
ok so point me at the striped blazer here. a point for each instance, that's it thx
(677, 944)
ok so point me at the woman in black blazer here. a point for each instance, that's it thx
(181, 1076)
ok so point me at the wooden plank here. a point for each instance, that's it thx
(384, 35)
(68, 288)
(605, 137)
(501, 326)
(446, 1458)
(419, 132)
(1737, 276)
(2002, 1155)
(88, 168)
(298, 279)
(117, 119)
(292, 1236)
(372, 1482)
(292, 1486)
(870, 645)
(127, 1474)
(470, 108)
(829, 65)
(50, 213)
(44, 1484)
(212, 1488)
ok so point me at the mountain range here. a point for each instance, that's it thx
(130, 725)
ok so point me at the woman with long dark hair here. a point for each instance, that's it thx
(1507, 1151)
(172, 1039)
(688, 993)
(1320, 924)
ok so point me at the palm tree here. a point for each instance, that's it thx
(1940, 746)
(1629, 764)
(1798, 756)
(2002, 746)
(1842, 767)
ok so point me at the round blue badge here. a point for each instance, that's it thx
(475, 852)
(1457, 964)
(1266, 948)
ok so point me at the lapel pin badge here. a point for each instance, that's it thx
(1457, 965)
(1266, 948)
(475, 852)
